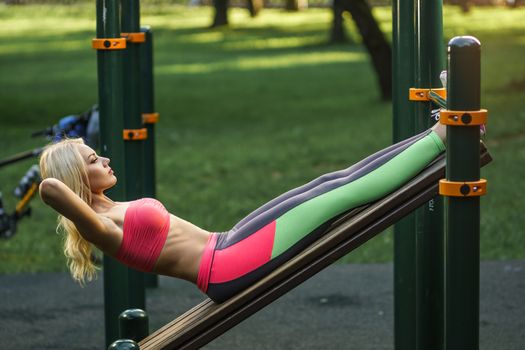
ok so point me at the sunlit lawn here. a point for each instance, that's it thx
(247, 112)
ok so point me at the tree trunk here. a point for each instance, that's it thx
(255, 6)
(338, 34)
(463, 4)
(221, 13)
(375, 42)
(295, 5)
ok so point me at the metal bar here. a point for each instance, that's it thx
(21, 156)
(418, 239)
(148, 106)
(116, 298)
(403, 127)
(134, 149)
(429, 228)
(463, 214)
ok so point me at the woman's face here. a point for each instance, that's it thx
(99, 172)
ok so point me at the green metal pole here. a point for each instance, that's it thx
(404, 127)
(109, 62)
(148, 102)
(429, 228)
(134, 149)
(418, 239)
(463, 213)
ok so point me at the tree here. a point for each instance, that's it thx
(295, 5)
(373, 39)
(463, 4)
(221, 11)
(255, 6)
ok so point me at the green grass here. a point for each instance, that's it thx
(247, 112)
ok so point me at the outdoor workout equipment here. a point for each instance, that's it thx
(24, 191)
(420, 317)
(461, 326)
(418, 60)
(464, 157)
(84, 125)
(127, 118)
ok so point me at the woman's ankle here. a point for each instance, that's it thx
(441, 131)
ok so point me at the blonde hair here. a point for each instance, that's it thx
(64, 162)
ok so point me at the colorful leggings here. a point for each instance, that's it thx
(280, 229)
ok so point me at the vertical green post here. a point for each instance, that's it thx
(109, 63)
(148, 107)
(134, 149)
(429, 228)
(463, 213)
(418, 274)
(404, 127)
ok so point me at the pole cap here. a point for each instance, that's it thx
(464, 43)
(124, 344)
(133, 324)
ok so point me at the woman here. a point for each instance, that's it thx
(144, 236)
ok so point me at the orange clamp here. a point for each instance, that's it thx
(135, 134)
(463, 189)
(109, 44)
(150, 118)
(463, 118)
(134, 37)
(418, 94)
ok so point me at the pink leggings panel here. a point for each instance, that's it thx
(206, 261)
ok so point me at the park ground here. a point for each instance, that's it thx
(346, 306)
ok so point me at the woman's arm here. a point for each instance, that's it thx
(61, 198)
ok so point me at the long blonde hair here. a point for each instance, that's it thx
(64, 162)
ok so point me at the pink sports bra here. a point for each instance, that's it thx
(146, 226)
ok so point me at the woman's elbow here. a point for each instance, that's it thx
(48, 187)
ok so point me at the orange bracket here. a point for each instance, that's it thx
(463, 189)
(463, 118)
(150, 118)
(134, 37)
(109, 44)
(417, 94)
(135, 134)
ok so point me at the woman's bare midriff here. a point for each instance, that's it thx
(181, 255)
